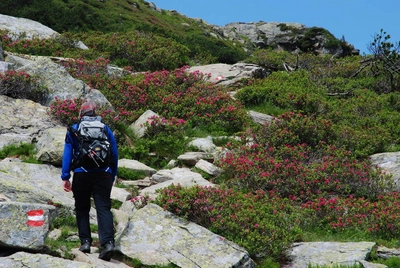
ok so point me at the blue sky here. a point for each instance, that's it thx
(356, 20)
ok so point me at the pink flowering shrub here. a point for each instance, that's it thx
(171, 94)
(36, 46)
(261, 222)
(67, 112)
(21, 85)
(378, 216)
(87, 70)
(155, 126)
(140, 201)
(292, 156)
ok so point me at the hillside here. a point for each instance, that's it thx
(305, 175)
(207, 43)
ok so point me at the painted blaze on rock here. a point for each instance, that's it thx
(25, 225)
(35, 218)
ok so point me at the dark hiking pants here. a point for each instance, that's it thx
(96, 184)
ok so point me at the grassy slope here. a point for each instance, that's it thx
(122, 16)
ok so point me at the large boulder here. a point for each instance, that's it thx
(281, 36)
(177, 176)
(55, 77)
(33, 183)
(50, 145)
(228, 74)
(21, 28)
(327, 253)
(139, 127)
(155, 236)
(262, 33)
(25, 225)
(136, 165)
(22, 120)
(389, 163)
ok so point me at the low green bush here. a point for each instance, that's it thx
(141, 51)
(24, 151)
(21, 85)
(290, 91)
(163, 141)
(261, 222)
(130, 175)
(355, 265)
(392, 262)
(271, 60)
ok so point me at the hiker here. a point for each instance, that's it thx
(91, 179)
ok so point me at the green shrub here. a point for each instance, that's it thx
(392, 262)
(270, 59)
(292, 129)
(163, 141)
(21, 85)
(24, 151)
(291, 91)
(217, 50)
(260, 222)
(355, 265)
(363, 141)
(130, 175)
(308, 40)
(362, 123)
(141, 51)
(64, 218)
(115, 204)
(344, 87)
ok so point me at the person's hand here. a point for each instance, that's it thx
(67, 185)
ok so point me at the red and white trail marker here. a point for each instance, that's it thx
(35, 218)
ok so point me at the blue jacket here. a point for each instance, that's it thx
(71, 146)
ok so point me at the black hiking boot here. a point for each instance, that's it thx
(108, 251)
(85, 246)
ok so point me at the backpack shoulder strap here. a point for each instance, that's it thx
(75, 132)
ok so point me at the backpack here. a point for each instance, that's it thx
(94, 146)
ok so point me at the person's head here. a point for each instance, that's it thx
(88, 108)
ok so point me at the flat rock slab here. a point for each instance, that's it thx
(158, 237)
(327, 253)
(23, 259)
(136, 165)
